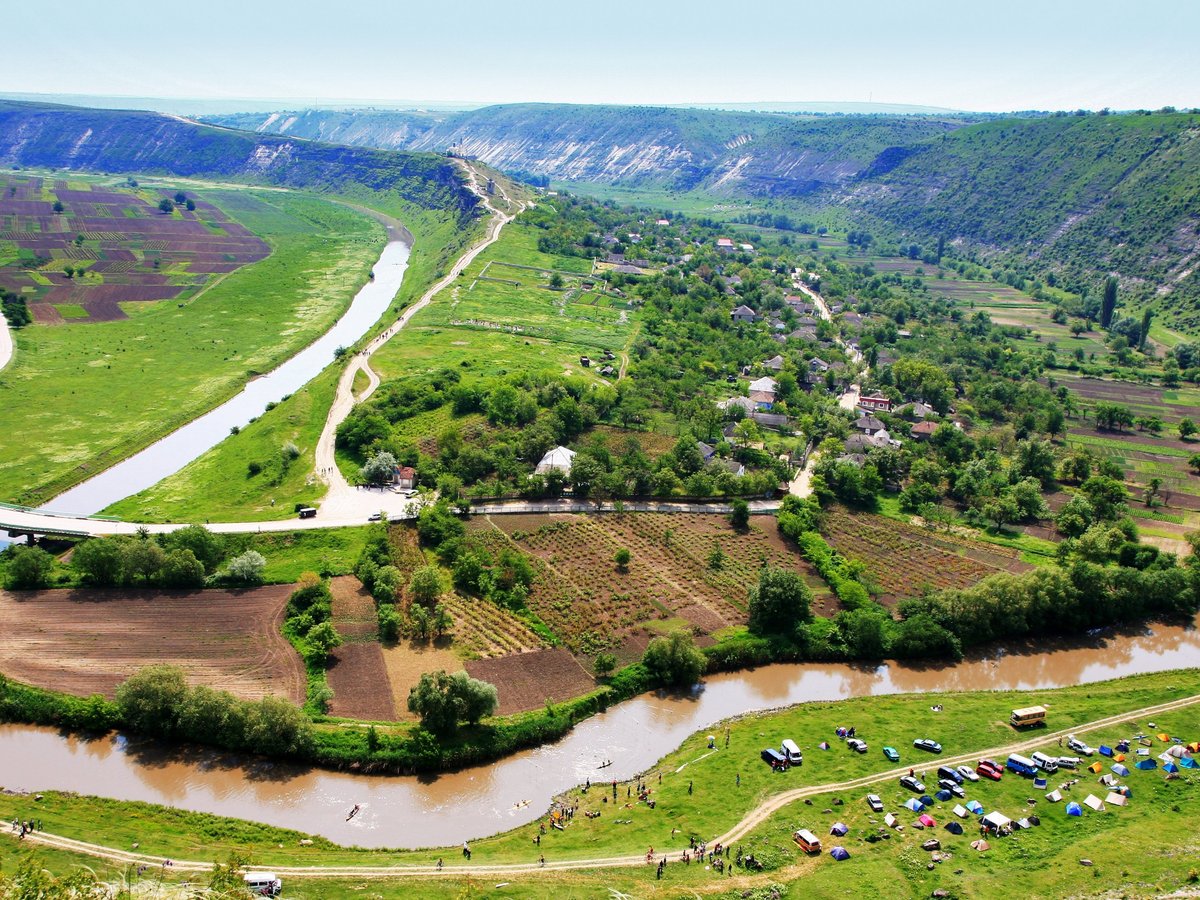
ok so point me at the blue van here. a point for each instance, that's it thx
(1022, 765)
(774, 758)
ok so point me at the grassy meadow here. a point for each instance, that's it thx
(77, 399)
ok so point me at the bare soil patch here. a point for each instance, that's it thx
(406, 662)
(359, 678)
(525, 681)
(89, 641)
(353, 609)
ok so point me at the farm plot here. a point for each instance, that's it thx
(360, 684)
(590, 603)
(88, 641)
(354, 614)
(903, 559)
(483, 630)
(527, 681)
(112, 245)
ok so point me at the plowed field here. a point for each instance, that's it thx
(88, 641)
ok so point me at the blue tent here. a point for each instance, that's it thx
(839, 853)
(914, 804)
(1074, 809)
(1120, 769)
(1106, 750)
(943, 795)
(975, 806)
(1170, 767)
(1145, 764)
(839, 828)
(1122, 746)
(953, 828)
(926, 800)
(1039, 783)
(1187, 763)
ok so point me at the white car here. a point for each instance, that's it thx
(967, 773)
(1079, 746)
(859, 746)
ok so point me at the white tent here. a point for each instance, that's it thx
(1094, 802)
(1108, 780)
(1054, 796)
(996, 820)
(960, 811)
(1116, 799)
(890, 820)
(559, 458)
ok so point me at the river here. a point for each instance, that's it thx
(177, 449)
(447, 809)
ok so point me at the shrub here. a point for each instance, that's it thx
(247, 568)
(443, 700)
(29, 568)
(674, 660)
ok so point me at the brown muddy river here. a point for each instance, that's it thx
(447, 809)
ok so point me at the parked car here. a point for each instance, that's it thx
(907, 781)
(773, 757)
(789, 749)
(858, 746)
(949, 772)
(892, 753)
(375, 517)
(1069, 762)
(874, 802)
(968, 773)
(989, 772)
(1079, 746)
(927, 744)
(1048, 764)
(991, 762)
(952, 786)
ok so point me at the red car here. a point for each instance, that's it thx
(988, 772)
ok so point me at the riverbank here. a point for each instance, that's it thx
(724, 793)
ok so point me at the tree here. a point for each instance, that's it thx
(180, 197)
(100, 561)
(1147, 318)
(149, 701)
(379, 469)
(622, 558)
(1109, 302)
(863, 632)
(323, 638)
(29, 568)
(181, 569)
(205, 546)
(716, 559)
(167, 205)
(144, 560)
(1035, 459)
(556, 281)
(1187, 428)
(1002, 510)
(604, 664)
(191, 205)
(386, 584)
(440, 621)
(1107, 496)
(739, 515)
(389, 623)
(674, 660)
(426, 585)
(443, 700)
(1194, 463)
(247, 568)
(58, 206)
(779, 602)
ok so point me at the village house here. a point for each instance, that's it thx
(762, 399)
(921, 410)
(745, 403)
(816, 364)
(874, 403)
(725, 245)
(766, 384)
(775, 363)
(804, 333)
(922, 431)
(743, 314)
(707, 452)
(869, 425)
(732, 465)
(777, 421)
(405, 478)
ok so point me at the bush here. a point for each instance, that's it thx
(779, 602)
(674, 660)
(443, 700)
(247, 568)
(389, 623)
(29, 568)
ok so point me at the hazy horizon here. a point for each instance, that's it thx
(934, 54)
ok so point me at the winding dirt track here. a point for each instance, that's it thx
(752, 820)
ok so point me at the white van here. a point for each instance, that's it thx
(1048, 764)
(789, 749)
(264, 884)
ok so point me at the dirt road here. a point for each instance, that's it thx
(738, 832)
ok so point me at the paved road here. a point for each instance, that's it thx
(738, 832)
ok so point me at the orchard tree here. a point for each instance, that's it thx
(167, 205)
(779, 602)
(739, 515)
(426, 585)
(247, 568)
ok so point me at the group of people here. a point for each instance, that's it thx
(22, 827)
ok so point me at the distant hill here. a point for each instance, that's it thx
(125, 141)
(719, 151)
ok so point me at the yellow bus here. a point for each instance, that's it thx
(1028, 717)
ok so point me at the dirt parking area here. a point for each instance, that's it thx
(89, 641)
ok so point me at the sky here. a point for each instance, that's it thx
(968, 54)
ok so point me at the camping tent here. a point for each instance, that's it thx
(914, 804)
(1194, 747)
(960, 811)
(839, 853)
(1164, 737)
(1034, 820)
(1120, 757)
(927, 821)
(1145, 764)
(1022, 823)
(1091, 801)
(1054, 796)
(1107, 780)
(1073, 809)
(1096, 767)
(996, 820)
(943, 795)
(1106, 750)
(1177, 751)
(1115, 799)
(926, 800)
(1122, 746)
(889, 820)
(975, 806)
(824, 745)
(1039, 783)
(1171, 768)
(980, 845)
(953, 827)
(1188, 763)
(1120, 769)
(839, 828)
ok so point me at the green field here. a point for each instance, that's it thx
(79, 399)
(1044, 859)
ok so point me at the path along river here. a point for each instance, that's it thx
(447, 809)
(180, 447)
